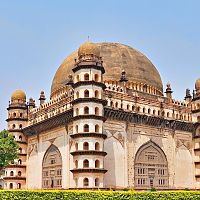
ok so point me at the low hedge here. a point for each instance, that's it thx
(96, 195)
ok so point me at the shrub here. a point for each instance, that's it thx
(152, 189)
(96, 195)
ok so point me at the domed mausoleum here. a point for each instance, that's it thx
(108, 124)
(116, 57)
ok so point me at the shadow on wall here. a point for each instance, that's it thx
(110, 176)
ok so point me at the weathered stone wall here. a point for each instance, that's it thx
(37, 147)
(124, 140)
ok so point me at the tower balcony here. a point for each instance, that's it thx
(16, 119)
(89, 100)
(89, 170)
(17, 106)
(85, 83)
(89, 152)
(89, 64)
(94, 135)
(14, 178)
(88, 116)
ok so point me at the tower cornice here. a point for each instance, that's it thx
(81, 83)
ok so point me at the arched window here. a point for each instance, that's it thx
(77, 94)
(154, 112)
(77, 111)
(138, 109)
(86, 128)
(19, 173)
(96, 77)
(11, 186)
(76, 164)
(97, 146)
(20, 126)
(86, 93)
(20, 150)
(77, 78)
(21, 115)
(85, 163)
(96, 94)
(86, 110)
(111, 103)
(19, 186)
(20, 138)
(85, 182)
(11, 173)
(96, 128)
(167, 114)
(96, 111)
(149, 111)
(143, 110)
(158, 112)
(19, 162)
(97, 163)
(96, 182)
(14, 114)
(76, 146)
(76, 127)
(86, 77)
(85, 146)
(132, 108)
(116, 104)
(13, 126)
(127, 107)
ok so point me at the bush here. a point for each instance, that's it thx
(152, 189)
(96, 195)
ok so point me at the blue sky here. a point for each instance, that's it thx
(36, 36)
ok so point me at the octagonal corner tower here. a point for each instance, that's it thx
(116, 57)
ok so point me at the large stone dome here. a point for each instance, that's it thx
(116, 57)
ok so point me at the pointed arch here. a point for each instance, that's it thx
(52, 168)
(151, 167)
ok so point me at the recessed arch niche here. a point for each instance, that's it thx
(52, 168)
(151, 167)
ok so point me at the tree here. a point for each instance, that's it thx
(8, 149)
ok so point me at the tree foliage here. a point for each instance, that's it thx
(8, 148)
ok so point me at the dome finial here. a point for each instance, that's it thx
(169, 91)
(123, 76)
(70, 81)
(42, 97)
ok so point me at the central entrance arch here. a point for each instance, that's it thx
(151, 168)
(52, 169)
